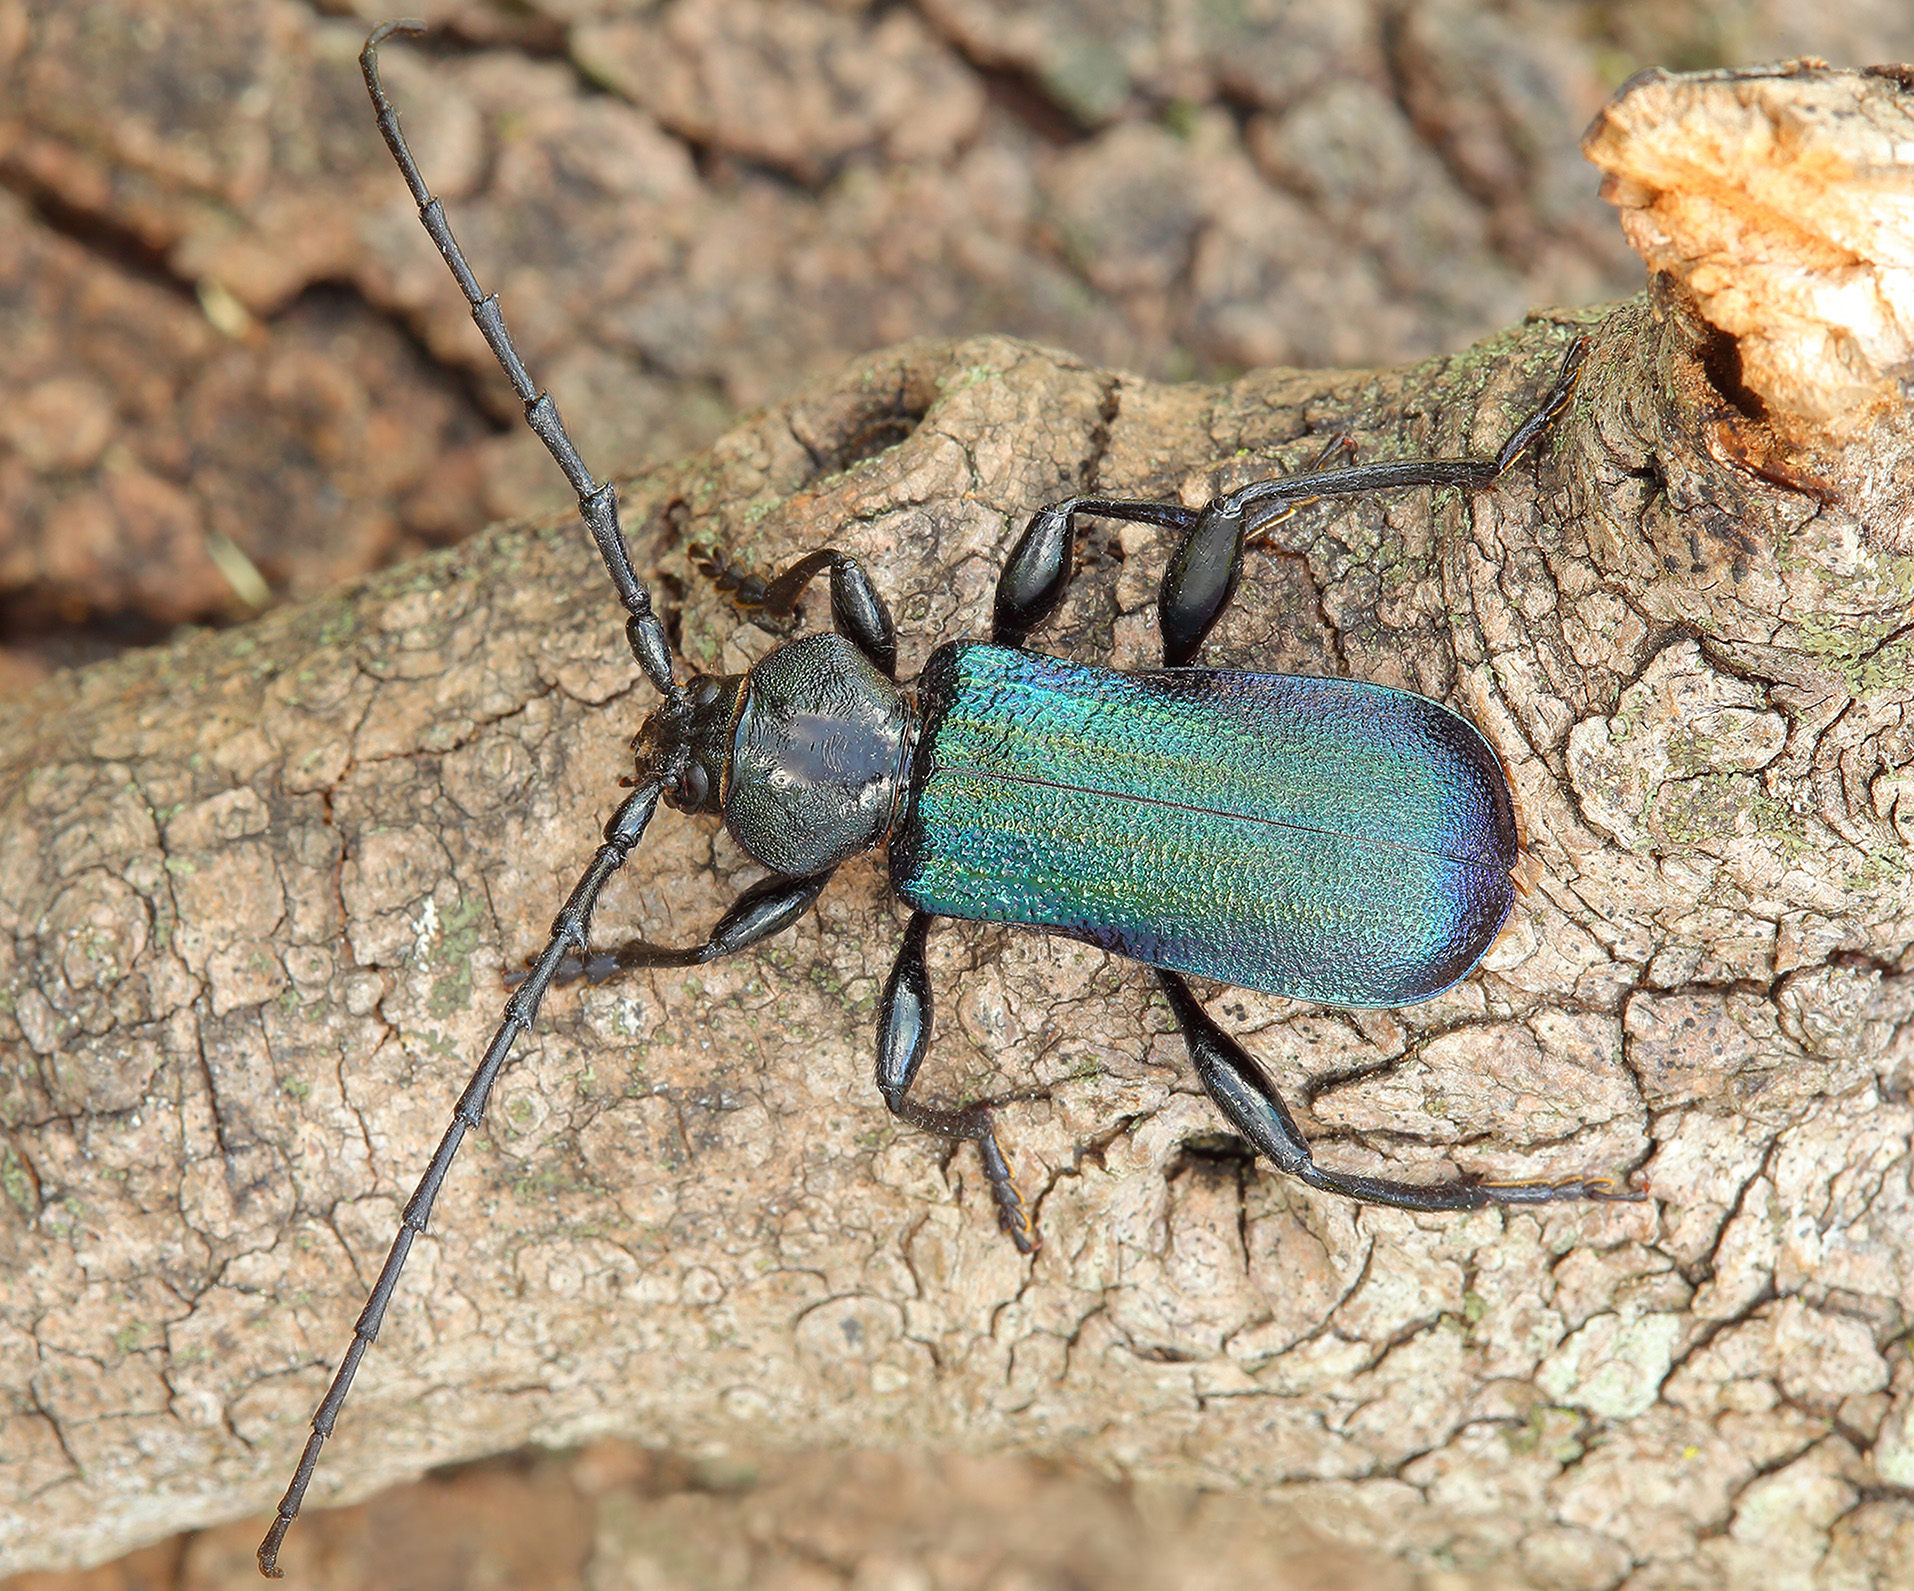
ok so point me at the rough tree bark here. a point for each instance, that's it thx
(258, 888)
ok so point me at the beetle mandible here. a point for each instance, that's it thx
(1317, 838)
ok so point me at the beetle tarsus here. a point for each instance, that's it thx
(1341, 442)
(1597, 1190)
(1014, 1215)
(1549, 409)
(745, 588)
(973, 1124)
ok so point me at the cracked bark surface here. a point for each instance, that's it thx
(258, 889)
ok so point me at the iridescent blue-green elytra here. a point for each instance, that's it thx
(1318, 838)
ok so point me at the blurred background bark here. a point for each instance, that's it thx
(232, 371)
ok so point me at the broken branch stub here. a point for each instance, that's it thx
(1779, 201)
(258, 890)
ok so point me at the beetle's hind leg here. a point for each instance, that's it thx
(1342, 442)
(1254, 1108)
(1203, 571)
(903, 1038)
(857, 611)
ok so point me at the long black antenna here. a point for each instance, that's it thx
(571, 929)
(597, 504)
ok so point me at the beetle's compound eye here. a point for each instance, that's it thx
(697, 788)
(707, 690)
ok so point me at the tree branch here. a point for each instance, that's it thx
(258, 890)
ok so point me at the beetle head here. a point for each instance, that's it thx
(685, 745)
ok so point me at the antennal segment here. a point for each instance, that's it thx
(597, 503)
(571, 931)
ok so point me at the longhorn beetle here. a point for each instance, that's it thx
(1318, 838)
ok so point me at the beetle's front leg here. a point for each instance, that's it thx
(858, 613)
(1254, 1108)
(903, 1038)
(768, 907)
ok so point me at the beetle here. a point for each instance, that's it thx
(1318, 838)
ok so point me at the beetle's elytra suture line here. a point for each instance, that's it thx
(1324, 839)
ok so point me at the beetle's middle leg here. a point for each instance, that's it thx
(857, 611)
(1254, 1108)
(903, 1038)
(1342, 442)
(1037, 572)
(768, 907)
